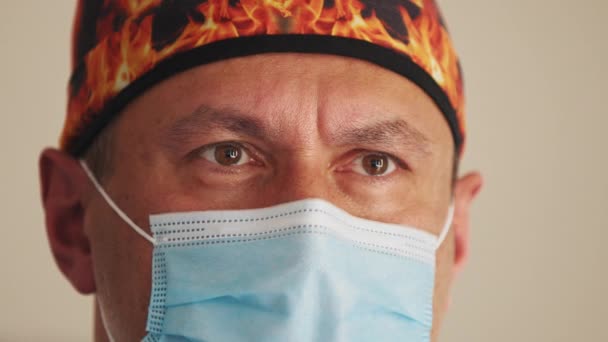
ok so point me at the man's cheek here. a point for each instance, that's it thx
(443, 279)
(122, 277)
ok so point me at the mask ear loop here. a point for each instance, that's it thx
(448, 225)
(113, 205)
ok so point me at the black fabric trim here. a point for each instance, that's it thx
(245, 46)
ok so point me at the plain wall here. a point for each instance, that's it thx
(536, 82)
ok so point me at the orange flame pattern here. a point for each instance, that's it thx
(124, 46)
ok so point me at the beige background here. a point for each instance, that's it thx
(537, 85)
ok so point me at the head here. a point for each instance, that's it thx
(252, 132)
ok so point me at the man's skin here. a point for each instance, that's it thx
(306, 122)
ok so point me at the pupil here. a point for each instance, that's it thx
(231, 153)
(227, 155)
(375, 164)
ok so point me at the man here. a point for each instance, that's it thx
(302, 157)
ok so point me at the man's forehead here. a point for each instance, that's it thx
(267, 94)
(324, 80)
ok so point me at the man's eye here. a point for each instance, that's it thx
(374, 164)
(226, 154)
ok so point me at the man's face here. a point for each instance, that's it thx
(258, 131)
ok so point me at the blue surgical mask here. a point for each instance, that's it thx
(300, 271)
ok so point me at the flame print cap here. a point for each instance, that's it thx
(123, 47)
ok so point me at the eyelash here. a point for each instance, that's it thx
(359, 154)
(255, 159)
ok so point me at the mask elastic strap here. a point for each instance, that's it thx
(448, 224)
(113, 205)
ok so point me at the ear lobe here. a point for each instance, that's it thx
(465, 191)
(62, 187)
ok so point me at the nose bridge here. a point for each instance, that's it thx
(305, 186)
(304, 174)
(301, 157)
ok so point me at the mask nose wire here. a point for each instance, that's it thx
(446, 227)
(113, 205)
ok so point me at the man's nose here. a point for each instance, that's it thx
(303, 178)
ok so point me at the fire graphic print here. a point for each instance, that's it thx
(118, 41)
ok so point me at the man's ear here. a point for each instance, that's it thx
(62, 188)
(466, 189)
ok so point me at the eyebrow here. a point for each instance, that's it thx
(396, 133)
(393, 133)
(205, 119)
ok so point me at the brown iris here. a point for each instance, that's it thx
(375, 164)
(228, 154)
